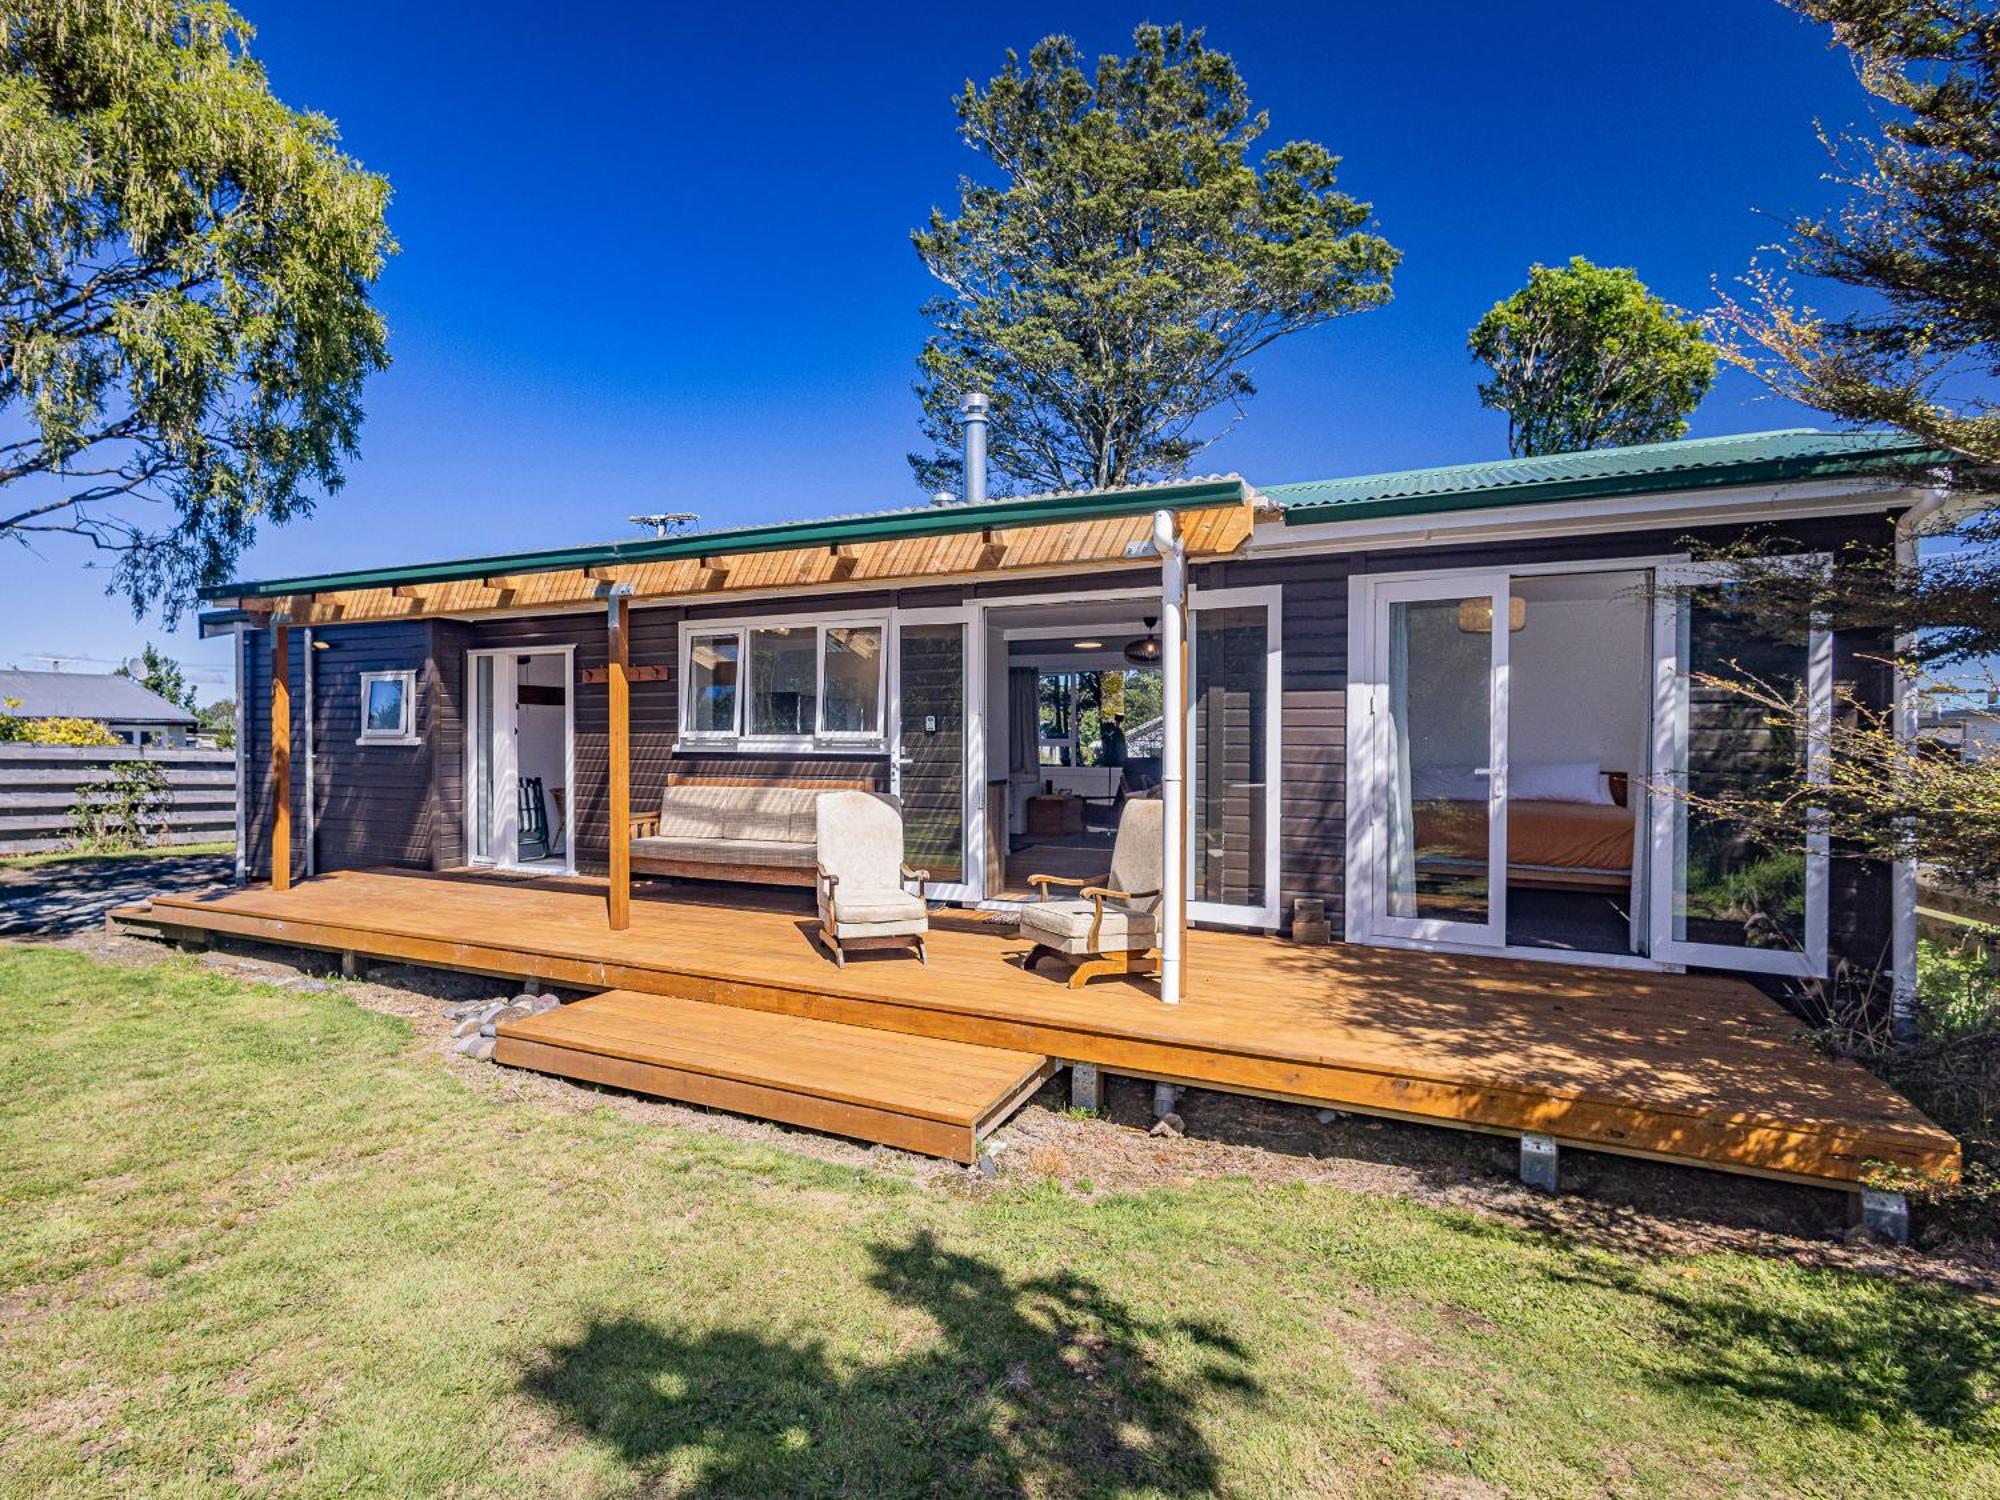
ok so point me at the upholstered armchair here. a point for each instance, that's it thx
(864, 901)
(1110, 927)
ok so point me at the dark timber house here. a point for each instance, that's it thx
(1433, 704)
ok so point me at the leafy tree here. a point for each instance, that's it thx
(185, 266)
(218, 722)
(162, 674)
(1914, 252)
(1584, 356)
(1129, 255)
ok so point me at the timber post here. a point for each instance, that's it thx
(281, 755)
(618, 672)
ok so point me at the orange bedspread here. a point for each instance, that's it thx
(1546, 835)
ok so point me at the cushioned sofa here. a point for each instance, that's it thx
(722, 831)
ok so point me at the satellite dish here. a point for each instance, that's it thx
(136, 665)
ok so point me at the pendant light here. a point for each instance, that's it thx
(1146, 652)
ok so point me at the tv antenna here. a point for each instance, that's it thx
(668, 523)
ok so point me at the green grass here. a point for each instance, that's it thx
(261, 1239)
(93, 857)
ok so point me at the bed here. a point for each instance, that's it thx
(1569, 827)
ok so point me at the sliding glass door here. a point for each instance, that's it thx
(936, 754)
(1720, 898)
(1234, 771)
(1433, 853)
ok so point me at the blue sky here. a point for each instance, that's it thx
(657, 258)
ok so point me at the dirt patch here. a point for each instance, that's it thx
(1644, 1208)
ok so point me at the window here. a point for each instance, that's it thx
(784, 682)
(388, 708)
(711, 684)
(851, 706)
(801, 684)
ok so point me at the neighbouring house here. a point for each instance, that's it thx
(1427, 709)
(136, 715)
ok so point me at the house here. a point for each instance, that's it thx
(133, 713)
(1433, 702)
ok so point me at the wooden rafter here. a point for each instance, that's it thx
(1106, 542)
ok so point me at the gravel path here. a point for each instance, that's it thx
(73, 895)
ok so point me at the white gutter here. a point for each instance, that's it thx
(1903, 880)
(1173, 675)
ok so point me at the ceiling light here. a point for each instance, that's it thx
(1145, 651)
(1086, 645)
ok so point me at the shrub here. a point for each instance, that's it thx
(125, 809)
(50, 731)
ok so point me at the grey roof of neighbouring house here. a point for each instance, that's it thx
(88, 695)
(1644, 468)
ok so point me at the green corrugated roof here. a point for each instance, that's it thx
(877, 526)
(1646, 468)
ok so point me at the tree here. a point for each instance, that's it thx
(185, 266)
(218, 722)
(1915, 253)
(161, 674)
(1584, 356)
(1107, 288)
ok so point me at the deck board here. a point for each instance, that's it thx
(912, 1091)
(1699, 1068)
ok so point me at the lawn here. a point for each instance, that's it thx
(258, 1238)
(99, 856)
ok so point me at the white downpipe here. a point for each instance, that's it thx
(242, 719)
(312, 780)
(1173, 763)
(1903, 880)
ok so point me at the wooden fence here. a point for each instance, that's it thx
(39, 785)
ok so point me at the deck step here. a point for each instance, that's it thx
(914, 1092)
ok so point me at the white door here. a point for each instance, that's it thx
(492, 815)
(493, 767)
(937, 746)
(1718, 899)
(1430, 834)
(1235, 681)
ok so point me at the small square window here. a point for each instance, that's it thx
(388, 707)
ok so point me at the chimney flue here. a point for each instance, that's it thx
(972, 411)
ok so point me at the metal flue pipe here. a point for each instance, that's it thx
(1173, 761)
(973, 411)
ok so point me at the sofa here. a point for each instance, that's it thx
(709, 830)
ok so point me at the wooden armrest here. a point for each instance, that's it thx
(1045, 881)
(827, 879)
(1096, 892)
(645, 825)
(921, 877)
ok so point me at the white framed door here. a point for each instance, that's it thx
(1716, 899)
(1234, 740)
(1427, 832)
(937, 745)
(494, 759)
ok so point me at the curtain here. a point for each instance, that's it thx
(1024, 730)
(1402, 836)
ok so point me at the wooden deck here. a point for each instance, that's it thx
(915, 1092)
(1686, 1068)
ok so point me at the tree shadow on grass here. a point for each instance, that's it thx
(1881, 1355)
(1045, 1385)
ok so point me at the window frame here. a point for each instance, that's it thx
(821, 740)
(406, 732)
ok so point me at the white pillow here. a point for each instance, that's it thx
(1557, 781)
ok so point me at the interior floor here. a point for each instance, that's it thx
(1574, 921)
(1077, 857)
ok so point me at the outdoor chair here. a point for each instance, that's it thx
(534, 820)
(863, 901)
(1111, 927)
